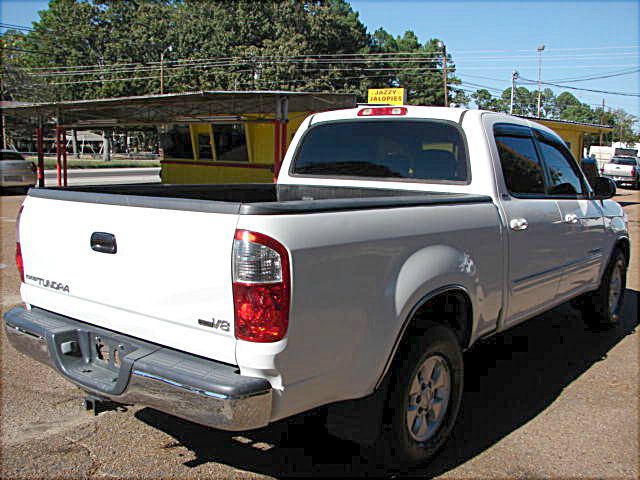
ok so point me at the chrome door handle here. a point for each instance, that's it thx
(518, 224)
(571, 218)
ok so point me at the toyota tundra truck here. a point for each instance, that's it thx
(395, 238)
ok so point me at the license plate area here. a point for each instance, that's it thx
(97, 360)
(108, 353)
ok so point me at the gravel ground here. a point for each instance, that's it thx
(547, 399)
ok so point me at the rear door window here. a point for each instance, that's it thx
(521, 167)
(400, 149)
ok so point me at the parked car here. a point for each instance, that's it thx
(624, 170)
(395, 238)
(16, 171)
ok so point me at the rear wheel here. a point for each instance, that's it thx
(602, 307)
(424, 398)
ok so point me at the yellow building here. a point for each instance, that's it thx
(572, 132)
(226, 150)
(205, 137)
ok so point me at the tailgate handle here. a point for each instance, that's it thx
(103, 242)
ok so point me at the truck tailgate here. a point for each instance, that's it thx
(615, 170)
(171, 269)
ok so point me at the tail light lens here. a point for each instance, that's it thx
(261, 287)
(19, 262)
(633, 171)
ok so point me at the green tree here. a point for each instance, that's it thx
(485, 101)
(16, 84)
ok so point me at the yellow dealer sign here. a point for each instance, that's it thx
(390, 96)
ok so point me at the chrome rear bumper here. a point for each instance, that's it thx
(203, 391)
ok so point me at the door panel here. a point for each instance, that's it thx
(533, 221)
(582, 233)
(583, 238)
(535, 260)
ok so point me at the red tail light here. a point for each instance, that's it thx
(261, 287)
(372, 112)
(19, 262)
(633, 171)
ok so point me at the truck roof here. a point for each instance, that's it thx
(452, 114)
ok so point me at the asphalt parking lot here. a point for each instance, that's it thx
(547, 399)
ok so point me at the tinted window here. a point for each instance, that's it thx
(521, 167)
(623, 161)
(563, 177)
(424, 150)
(177, 142)
(204, 146)
(10, 156)
(231, 143)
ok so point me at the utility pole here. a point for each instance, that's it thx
(602, 123)
(168, 49)
(443, 48)
(540, 50)
(514, 77)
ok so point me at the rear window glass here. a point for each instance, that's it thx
(10, 156)
(421, 150)
(623, 161)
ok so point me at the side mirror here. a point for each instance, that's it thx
(604, 188)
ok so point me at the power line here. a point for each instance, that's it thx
(415, 71)
(585, 79)
(133, 67)
(590, 48)
(332, 58)
(174, 65)
(11, 26)
(486, 87)
(129, 79)
(13, 49)
(608, 92)
(224, 68)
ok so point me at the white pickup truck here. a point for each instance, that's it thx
(394, 239)
(624, 170)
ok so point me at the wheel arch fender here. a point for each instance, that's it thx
(428, 273)
(433, 269)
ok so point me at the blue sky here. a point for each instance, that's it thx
(490, 39)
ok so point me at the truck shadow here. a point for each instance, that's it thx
(509, 380)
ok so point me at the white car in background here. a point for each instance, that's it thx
(16, 171)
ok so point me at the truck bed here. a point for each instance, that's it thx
(253, 199)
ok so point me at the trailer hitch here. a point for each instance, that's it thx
(94, 405)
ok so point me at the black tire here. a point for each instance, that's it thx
(438, 343)
(597, 309)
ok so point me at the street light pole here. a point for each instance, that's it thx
(514, 77)
(540, 50)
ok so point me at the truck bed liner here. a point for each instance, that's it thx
(253, 199)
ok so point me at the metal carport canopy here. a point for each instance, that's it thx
(175, 107)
